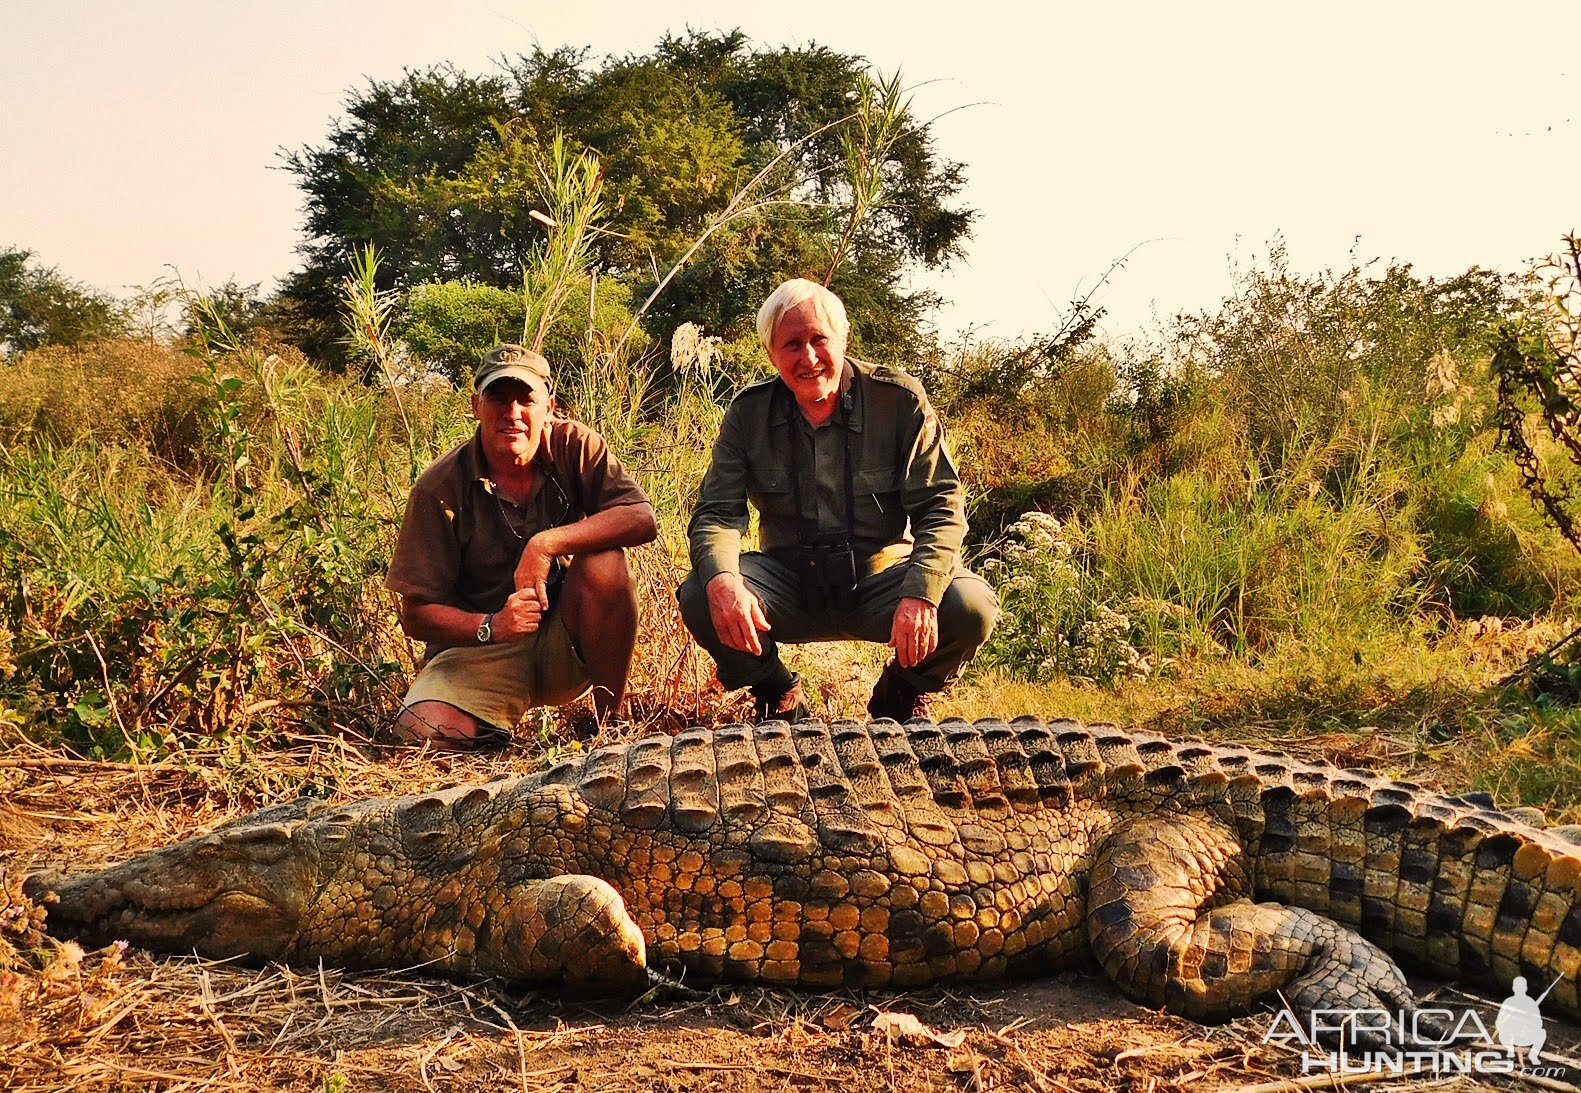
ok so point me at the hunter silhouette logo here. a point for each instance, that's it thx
(1520, 1023)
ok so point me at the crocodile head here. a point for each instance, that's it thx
(241, 889)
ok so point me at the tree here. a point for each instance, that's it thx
(40, 307)
(436, 169)
(451, 324)
(243, 311)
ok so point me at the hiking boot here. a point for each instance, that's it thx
(780, 702)
(895, 699)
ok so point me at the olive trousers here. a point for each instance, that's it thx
(966, 618)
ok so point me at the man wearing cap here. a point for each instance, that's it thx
(511, 565)
(861, 519)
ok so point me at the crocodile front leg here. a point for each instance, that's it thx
(1169, 919)
(572, 929)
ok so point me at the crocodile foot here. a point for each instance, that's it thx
(572, 929)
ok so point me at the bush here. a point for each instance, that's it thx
(1051, 620)
(1294, 356)
(1310, 469)
(449, 325)
(39, 307)
(120, 390)
(222, 595)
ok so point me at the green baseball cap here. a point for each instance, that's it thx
(511, 361)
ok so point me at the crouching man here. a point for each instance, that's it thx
(861, 518)
(511, 565)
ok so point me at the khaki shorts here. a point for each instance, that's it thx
(497, 684)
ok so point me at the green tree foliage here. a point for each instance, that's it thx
(439, 169)
(41, 307)
(450, 324)
(239, 307)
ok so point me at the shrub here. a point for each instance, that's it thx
(1295, 355)
(1051, 620)
(451, 324)
(225, 596)
(40, 307)
(120, 390)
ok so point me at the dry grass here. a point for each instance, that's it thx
(154, 403)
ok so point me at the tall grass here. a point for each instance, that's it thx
(1311, 466)
(228, 589)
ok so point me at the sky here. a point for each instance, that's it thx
(1176, 139)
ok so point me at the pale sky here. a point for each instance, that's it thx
(139, 135)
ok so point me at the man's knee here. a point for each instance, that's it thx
(967, 612)
(605, 574)
(446, 727)
(692, 598)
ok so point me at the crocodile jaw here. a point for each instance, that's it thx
(219, 895)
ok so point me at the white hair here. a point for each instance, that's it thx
(799, 290)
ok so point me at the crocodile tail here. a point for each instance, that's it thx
(1447, 883)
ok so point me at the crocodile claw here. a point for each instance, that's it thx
(661, 986)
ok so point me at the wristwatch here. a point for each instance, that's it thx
(486, 629)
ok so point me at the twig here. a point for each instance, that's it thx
(109, 690)
(206, 1002)
(117, 1069)
(1044, 1082)
(44, 763)
(521, 1053)
(516, 1034)
(753, 1067)
(422, 1065)
(1532, 661)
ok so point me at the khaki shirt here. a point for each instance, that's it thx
(910, 504)
(460, 539)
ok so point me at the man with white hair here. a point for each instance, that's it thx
(861, 518)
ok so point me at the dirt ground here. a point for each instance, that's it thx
(109, 1020)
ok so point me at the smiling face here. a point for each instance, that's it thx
(808, 351)
(511, 416)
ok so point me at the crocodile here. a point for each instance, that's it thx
(1205, 879)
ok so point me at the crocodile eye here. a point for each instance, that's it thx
(207, 850)
(265, 844)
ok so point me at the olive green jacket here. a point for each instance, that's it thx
(910, 504)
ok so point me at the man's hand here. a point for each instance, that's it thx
(915, 632)
(521, 615)
(737, 613)
(532, 570)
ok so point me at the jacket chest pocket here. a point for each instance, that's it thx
(769, 490)
(878, 500)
